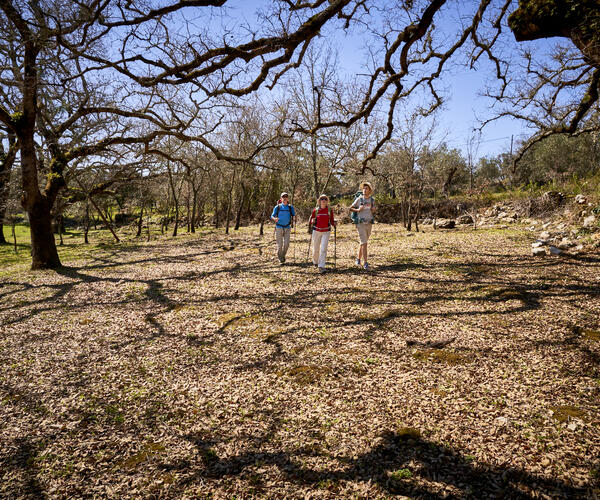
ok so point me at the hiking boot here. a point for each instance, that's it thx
(322, 270)
(357, 262)
(366, 266)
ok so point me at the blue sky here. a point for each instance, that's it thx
(464, 105)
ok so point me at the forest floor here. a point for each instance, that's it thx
(459, 367)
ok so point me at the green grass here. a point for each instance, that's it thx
(74, 249)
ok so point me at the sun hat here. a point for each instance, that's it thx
(367, 184)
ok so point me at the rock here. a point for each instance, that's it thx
(545, 462)
(561, 227)
(445, 224)
(546, 225)
(565, 244)
(580, 199)
(538, 244)
(508, 220)
(464, 219)
(501, 421)
(572, 426)
(589, 221)
(555, 250)
(545, 235)
(427, 222)
(501, 215)
(538, 251)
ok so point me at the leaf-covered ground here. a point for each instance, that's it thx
(459, 367)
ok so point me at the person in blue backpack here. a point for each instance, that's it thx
(362, 211)
(284, 217)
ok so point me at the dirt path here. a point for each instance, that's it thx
(202, 367)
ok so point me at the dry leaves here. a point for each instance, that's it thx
(201, 367)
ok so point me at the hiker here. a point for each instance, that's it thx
(284, 217)
(363, 209)
(321, 220)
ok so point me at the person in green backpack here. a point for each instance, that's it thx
(362, 211)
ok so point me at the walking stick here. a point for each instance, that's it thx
(294, 242)
(309, 241)
(335, 247)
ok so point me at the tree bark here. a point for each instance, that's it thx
(86, 229)
(140, 220)
(238, 216)
(6, 163)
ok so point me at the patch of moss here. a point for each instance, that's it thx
(379, 315)
(408, 433)
(440, 356)
(400, 474)
(145, 454)
(307, 374)
(565, 413)
(588, 333)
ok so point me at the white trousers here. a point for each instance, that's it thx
(320, 239)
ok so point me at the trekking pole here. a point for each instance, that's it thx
(309, 241)
(334, 247)
(295, 242)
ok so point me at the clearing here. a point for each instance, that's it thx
(461, 366)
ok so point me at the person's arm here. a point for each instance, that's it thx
(273, 215)
(372, 205)
(353, 208)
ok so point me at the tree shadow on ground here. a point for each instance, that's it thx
(402, 463)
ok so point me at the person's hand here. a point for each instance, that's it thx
(361, 208)
(276, 219)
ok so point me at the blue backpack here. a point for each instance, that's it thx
(278, 207)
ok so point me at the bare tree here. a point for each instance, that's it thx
(409, 54)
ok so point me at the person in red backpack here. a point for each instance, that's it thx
(321, 220)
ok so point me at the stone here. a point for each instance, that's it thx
(546, 225)
(589, 221)
(501, 421)
(580, 199)
(501, 215)
(538, 244)
(555, 250)
(565, 244)
(445, 224)
(545, 462)
(464, 219)
(572, 426)
(545, 235)
(508, 220)
(538, 251)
